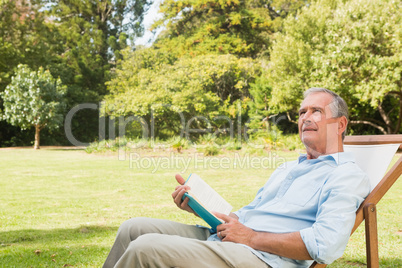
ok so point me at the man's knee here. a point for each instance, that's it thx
(134, 227)
(146, 241)
(146, 248)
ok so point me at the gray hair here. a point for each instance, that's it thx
(338, 105)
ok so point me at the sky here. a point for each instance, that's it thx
(152, 14)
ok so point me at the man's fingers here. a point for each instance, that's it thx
(184, 204)
(180, 179)
(179, 192)
(178, 199)
(177, 196)
(179, 188)
(222, 216)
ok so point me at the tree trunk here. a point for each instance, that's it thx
(385, 117)
(399, 122)
(37, 137)
(380, 128)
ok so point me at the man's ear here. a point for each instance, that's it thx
(342, 124)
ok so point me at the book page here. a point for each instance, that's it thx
(207, 196)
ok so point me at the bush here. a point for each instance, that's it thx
(211, 150)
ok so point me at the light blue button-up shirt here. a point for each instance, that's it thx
(317, 197)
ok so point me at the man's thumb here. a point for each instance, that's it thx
(180, 179)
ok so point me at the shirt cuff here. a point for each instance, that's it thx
(237, 213)
(307, 236)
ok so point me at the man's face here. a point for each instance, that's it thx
(318, 130)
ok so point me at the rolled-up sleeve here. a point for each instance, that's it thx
(341, 196)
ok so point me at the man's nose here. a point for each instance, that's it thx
(306, 116)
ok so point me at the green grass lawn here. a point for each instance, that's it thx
(62, 208)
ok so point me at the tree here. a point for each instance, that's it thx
(23, 37)
(260, 91)
(19, 43)
(202, 63)
(353, 48)
(239, 27)
(34, 99)
(207, 86)
(78, 41)
(90, 35)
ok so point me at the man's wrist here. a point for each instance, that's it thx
(253, 239)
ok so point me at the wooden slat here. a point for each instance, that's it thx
(370, 215)
(317, 265)
(373, 139)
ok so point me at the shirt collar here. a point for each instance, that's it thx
(338, 158)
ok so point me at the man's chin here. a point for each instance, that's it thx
(309, 141)
(308, 137)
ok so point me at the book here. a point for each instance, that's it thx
(204, 200)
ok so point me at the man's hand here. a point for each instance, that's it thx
(289, 245)
(177, 195)
(233, 231)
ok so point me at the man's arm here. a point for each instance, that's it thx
(289, 245)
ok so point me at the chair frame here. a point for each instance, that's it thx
(367, 210)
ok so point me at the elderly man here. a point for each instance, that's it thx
(304, 212)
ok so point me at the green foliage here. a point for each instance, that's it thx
(179, 144)
(192, 73)
(291, 142)
(108, 145)
(353, 48)
(259, 111)
(238, 27)
(78, 41)
(201, 88)
(34, 99)
(260, 90)
(211, 150)
(92, 33)
(127, 144)
(24, 38)
(82, 41)
(209, 144)
(198, 27)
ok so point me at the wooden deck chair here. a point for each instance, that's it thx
(367, 210)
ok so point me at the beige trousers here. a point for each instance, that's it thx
(146, 242)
